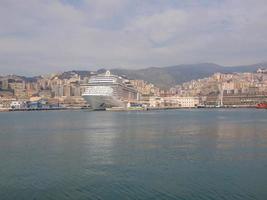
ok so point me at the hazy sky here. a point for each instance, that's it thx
(39, 36)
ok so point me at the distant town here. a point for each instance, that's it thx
(64, 91)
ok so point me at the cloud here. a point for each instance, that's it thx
(102, 9)
(43, 36)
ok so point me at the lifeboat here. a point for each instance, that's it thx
(262, 105)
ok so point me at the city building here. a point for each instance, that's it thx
(17, 105)
(181, 102)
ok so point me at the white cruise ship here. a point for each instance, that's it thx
(107, 91)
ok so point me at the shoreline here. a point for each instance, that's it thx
(41, 109)
(127, 110)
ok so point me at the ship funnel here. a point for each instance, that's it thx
(107, 73)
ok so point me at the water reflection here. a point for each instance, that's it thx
(99, 139)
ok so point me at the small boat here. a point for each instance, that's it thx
(262, 105)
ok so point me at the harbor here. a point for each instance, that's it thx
(103, 90)
(133, 100)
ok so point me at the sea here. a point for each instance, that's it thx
(190, 154)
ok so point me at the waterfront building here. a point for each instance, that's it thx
(75, 101)
(181, 102)
(17, 105)
(156, 102)
(5, 102)
(236, 100)
(174, 101)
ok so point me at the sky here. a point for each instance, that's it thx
(42, 36)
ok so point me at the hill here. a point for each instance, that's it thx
(165, 77)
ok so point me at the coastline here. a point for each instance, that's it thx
(115, 109)
(42, 109)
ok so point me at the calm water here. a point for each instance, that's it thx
(183, 154)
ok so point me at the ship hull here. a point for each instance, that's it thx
(101, 102)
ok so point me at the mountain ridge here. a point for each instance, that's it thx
(165, 77)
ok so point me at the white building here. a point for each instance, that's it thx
(182, 102)
(17, 105)
(156, 102)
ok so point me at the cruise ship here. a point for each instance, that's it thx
(108, 90)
